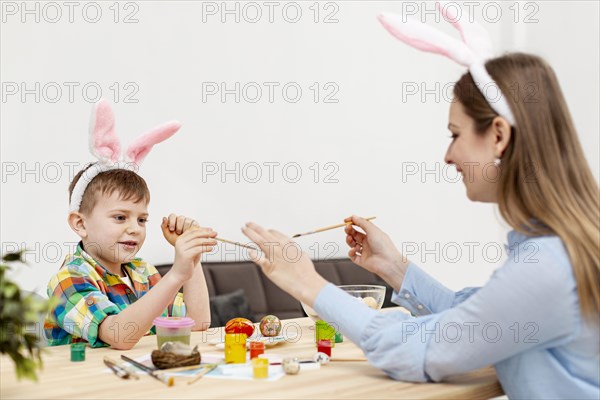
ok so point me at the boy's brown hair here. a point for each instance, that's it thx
(128, 184)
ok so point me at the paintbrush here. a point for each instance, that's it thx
(328, 228)
(338, 359)
(151, 371)
(236, 243)
(118, 371)
(129, 371)
(206, 370)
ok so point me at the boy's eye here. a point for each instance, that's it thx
(143, 220)
(120, 218)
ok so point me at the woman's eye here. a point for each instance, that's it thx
(453, 136)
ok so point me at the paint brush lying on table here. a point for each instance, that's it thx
(167, 380)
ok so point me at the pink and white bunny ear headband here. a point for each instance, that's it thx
(106, 147)
(472, 52)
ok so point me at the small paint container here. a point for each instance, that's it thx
(324, 346)
(256, 349)
(235, 348)
(173, 329)
(324, 331)
(339, 338)
(260, 368)
(78, 351)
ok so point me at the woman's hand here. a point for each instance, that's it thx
(375, 251)
(285, 263)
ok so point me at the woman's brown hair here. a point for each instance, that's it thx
(546, 186)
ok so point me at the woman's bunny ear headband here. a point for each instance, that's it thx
(106, 147)
(472, 52)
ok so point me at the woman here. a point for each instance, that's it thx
(536, 320)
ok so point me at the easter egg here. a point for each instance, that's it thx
(270, 326)
(240, 325)
(290, 365)
(370, 301)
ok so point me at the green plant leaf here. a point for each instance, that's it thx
(19, 317)
(18, 256)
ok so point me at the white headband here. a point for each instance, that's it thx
(106, 147)
(472, 52)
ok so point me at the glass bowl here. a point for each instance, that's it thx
(372, 295)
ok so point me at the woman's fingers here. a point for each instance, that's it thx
(280, 237)
(260, 230)
(189, 222)
(258, 234)
(356, 237)
(363, 223)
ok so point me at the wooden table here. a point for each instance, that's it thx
(64, 379)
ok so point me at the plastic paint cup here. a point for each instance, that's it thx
(324, 331)
(324, 346)
(235, 348)
(260, 368)
(256, 349)
(173, 329)
(78, 351)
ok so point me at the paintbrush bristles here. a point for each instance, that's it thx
(327, 228)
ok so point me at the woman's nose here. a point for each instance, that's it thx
(448, 159)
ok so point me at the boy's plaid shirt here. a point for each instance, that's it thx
(86, 293)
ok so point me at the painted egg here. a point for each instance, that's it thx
(270, 326)
(321, 358)
(290, 365)
(240, 325)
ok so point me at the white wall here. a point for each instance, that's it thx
(371, 136)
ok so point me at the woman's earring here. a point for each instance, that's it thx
(497, 162)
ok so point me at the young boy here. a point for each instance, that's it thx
(105, 295)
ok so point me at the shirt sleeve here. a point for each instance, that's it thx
(523, 306)
(421, 294)
(81, 305)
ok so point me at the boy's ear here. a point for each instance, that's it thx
(77, 223)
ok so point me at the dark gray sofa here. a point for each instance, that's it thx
(241, 289)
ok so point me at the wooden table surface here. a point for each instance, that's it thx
(64, 379)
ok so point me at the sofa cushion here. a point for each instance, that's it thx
(224, 307)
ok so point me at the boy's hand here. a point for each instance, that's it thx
(189, 248)
(174, 226)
